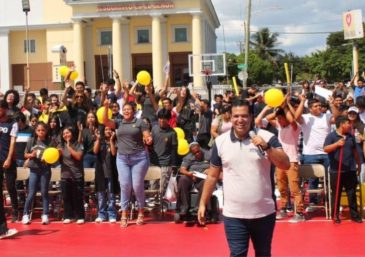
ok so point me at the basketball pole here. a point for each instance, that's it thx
(247, 41)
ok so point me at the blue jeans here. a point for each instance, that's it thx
(239, 232)
(106, 202)
(131, 171)
(43, 176)
(313, 182)
(89, 160)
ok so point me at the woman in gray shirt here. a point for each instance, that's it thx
(132, 158)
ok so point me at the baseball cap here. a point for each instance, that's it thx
(353, 109)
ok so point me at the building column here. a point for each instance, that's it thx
(117, 44)
(197, 46)
(157, 51)
(79, 57)
(126, 51)
(4, 61)
(89, 58)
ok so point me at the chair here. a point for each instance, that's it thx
(307, 171)
(55, 193)
(153, 174)
(89, 189)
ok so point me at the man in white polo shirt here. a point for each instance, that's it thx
(249, 209)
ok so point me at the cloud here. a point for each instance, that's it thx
(285, 17)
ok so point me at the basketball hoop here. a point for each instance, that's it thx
(207, 72)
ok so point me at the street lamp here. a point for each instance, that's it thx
(26, 9)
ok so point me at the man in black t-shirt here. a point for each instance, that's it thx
(164, 149)
(7, 140)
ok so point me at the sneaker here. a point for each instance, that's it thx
(310, 208)
(297, 218)
(112, 220)
(289, 210)
(80, 221)
(281, 215)
(66, 221)
(11, 232)
(25, 219)
(99, 220)
(14, 217)
(45, 219)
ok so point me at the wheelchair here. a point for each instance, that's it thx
(212, 211)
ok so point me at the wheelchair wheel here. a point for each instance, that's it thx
(177, 218)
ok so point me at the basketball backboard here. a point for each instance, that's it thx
(207, 65)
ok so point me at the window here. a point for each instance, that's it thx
(31, 43)
(106, 37)
(181, 34)
(143, 36)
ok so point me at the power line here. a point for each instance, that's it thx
(289, 32)
(301, 33)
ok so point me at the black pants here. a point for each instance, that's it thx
(349, 181)
(10, 176)
(184, 186)
(3, 226)
(73, 199)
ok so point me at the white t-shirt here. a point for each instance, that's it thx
(315, 129)
(289, 137)
(225, 126)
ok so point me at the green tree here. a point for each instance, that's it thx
(265, 45)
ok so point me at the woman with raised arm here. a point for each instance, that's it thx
(132, 158)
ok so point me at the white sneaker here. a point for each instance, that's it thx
(45, 219)
(281, 215)
(112, 220)
(297, 218)
(80, 221)
(98, 220)
(26, 219)
(66, 221)
(310, 208)
(11, 232)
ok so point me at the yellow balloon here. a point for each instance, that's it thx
(74, 75)
(182, 147)
(144, 78)
(63, 70)
(51, 155)
(274, 97)
(100, 113)
(180, 133)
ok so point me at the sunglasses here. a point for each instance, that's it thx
(79, 96)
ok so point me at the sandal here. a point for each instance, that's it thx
(124, 222)
(140, 219)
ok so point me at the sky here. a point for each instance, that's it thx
(285, 17)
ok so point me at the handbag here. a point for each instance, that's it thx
(171, 190)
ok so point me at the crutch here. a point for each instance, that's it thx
(338, 184)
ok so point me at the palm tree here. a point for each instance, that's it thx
(265, 44)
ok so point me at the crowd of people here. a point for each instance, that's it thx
(139, 131)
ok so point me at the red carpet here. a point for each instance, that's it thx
(312, 238)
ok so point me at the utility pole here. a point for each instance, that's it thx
(355, 59)
(26, 9)
(247, 43)
(225, 50)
